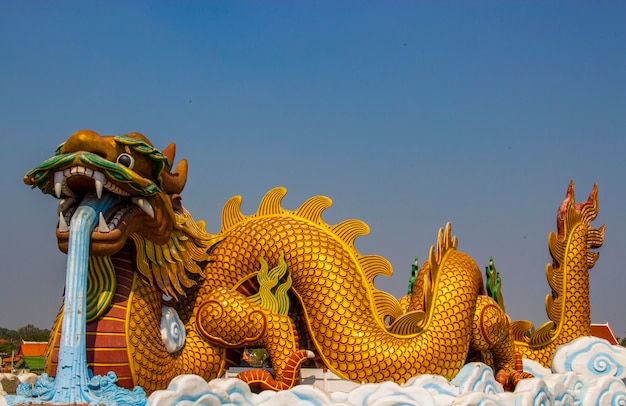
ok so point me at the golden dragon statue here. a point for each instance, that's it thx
(282, 280)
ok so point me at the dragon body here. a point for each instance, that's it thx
(279, 279)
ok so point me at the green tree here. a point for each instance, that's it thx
(32, 333)
(10, 335)
(7, 347)
(26, 333)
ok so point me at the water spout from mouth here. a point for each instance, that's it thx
(72, 373)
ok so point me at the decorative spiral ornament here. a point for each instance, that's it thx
(592, 357)
(604, 365)
(172, 330)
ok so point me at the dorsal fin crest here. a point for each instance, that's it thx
(349, 230)
(312, 209)
(231, 214)
(271, 202)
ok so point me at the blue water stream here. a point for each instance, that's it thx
(72, 374)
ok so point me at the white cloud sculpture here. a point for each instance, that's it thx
(588, 371)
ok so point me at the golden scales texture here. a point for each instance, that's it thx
(338, 297)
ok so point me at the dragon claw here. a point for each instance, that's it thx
(509, 378)
(264, 379)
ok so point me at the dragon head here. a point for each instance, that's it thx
(146, 188)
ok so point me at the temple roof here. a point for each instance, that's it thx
(33, 348)
(604, 331)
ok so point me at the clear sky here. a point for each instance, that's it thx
(407, 114)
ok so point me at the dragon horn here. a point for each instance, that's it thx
(170, 153)
(173, 182)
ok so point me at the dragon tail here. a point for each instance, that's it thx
(568, 306)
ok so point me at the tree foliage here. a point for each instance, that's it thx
(32, 333)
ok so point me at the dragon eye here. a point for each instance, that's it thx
(126, 160)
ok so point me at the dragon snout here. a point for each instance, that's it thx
(86, 140)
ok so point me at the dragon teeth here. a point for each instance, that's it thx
(103, 227)
(58, 183)
(144, 205)
(102, 224)
(98, 178)
(100, 182)
(63, 227)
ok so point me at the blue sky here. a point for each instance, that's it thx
(407, 114)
